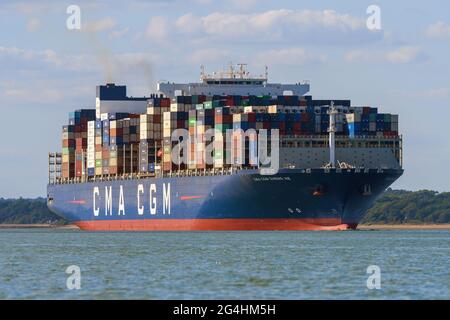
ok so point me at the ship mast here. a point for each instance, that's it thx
(332, 131)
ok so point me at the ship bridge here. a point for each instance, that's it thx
(233, 81)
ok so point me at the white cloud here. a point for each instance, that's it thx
(438, 30)
(188, 23)
(44, 55)
(288, 56)
(33, 24)
(402, 55)
(119, 33)
(116, 63)
(99, 25)
(158, 29)
(282, 24)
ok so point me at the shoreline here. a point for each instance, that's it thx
(443, 226)
(37, 226)
(362, 227)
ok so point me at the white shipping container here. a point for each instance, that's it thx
(166, 124)
(249, 109)
(166, 116)
(174, 107)
(353, 117)
(91, 163)
(153, 110)
(167, 132)
(275, 109)
(91, 125)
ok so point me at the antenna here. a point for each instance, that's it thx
(231, 70)
(202, 72)
(242, 69)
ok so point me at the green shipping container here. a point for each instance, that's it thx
(68, 150)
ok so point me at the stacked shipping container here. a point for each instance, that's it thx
(121, 143)
(74, 143)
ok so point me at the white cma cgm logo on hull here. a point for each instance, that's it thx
(140, 194)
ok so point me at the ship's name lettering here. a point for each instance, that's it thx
(271, 179)
(141, 192)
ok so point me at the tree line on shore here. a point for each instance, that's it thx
(401, 206)
(393, 207)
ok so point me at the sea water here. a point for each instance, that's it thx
(73, 264)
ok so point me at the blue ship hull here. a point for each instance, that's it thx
(293, 199)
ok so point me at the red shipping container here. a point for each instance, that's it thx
(78, 168)
(156, 118)
(165, 102)
(251, 117)
(305, 117)
(181, 123)
(68, 143)
(81, 143)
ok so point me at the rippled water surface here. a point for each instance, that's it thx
(224, 265)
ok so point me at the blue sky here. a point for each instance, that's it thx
(47, 70)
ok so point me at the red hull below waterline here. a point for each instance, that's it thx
(215, 225)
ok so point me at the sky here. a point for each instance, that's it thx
(47, 70)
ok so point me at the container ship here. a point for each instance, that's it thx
(329, 160)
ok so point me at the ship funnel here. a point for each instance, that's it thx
(332, 131)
